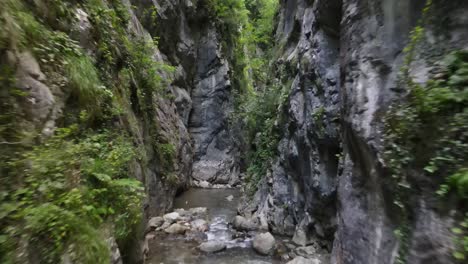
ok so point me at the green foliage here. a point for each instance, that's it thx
(231, 14)
(71, 185)
(259, 113)
(85, 82)
(461, 241)
(250, 35)
(166, 153)
(57, 197)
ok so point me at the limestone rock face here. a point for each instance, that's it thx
(372, 40)
(329, 182)
(216, 157)
(300, 190)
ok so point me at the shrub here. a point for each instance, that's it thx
(70, 186)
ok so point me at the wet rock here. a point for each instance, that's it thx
(264, 243)
(155, 222)
(212, 246)
(243, 224)
(302, 260)
(204, 184)
(171, 217)
(195, 235)
(199, 211)
(199, 225)
(306, 251)
(176, 229)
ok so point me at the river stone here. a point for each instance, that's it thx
(244, 224)
(171, 217)
(176, 229)
(302, 260)
(212, 246)
(155, 222)
(199, 225)
(264, 243)
(198, 211)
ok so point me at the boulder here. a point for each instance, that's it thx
(243, 224)
(171, 217)
(264, 243)
(176, 229)
(302, 260)
(212, 246)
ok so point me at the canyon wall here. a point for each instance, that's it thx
(179, 129)
(330, 181)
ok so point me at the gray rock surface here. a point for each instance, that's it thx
(243, 224)
(373, 38)
(212, 246)
(216, 157)
(329, 182)
(264, 243)
(171, 217)
(300, 189)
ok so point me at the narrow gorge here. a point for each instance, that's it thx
(234, 131)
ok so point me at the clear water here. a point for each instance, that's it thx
(168, 249)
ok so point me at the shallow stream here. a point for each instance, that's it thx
(221, 210)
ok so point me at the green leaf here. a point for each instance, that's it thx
(459, 255)
(457, 230)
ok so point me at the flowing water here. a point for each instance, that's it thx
(178, 250)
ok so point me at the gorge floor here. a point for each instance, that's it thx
(173, 249)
